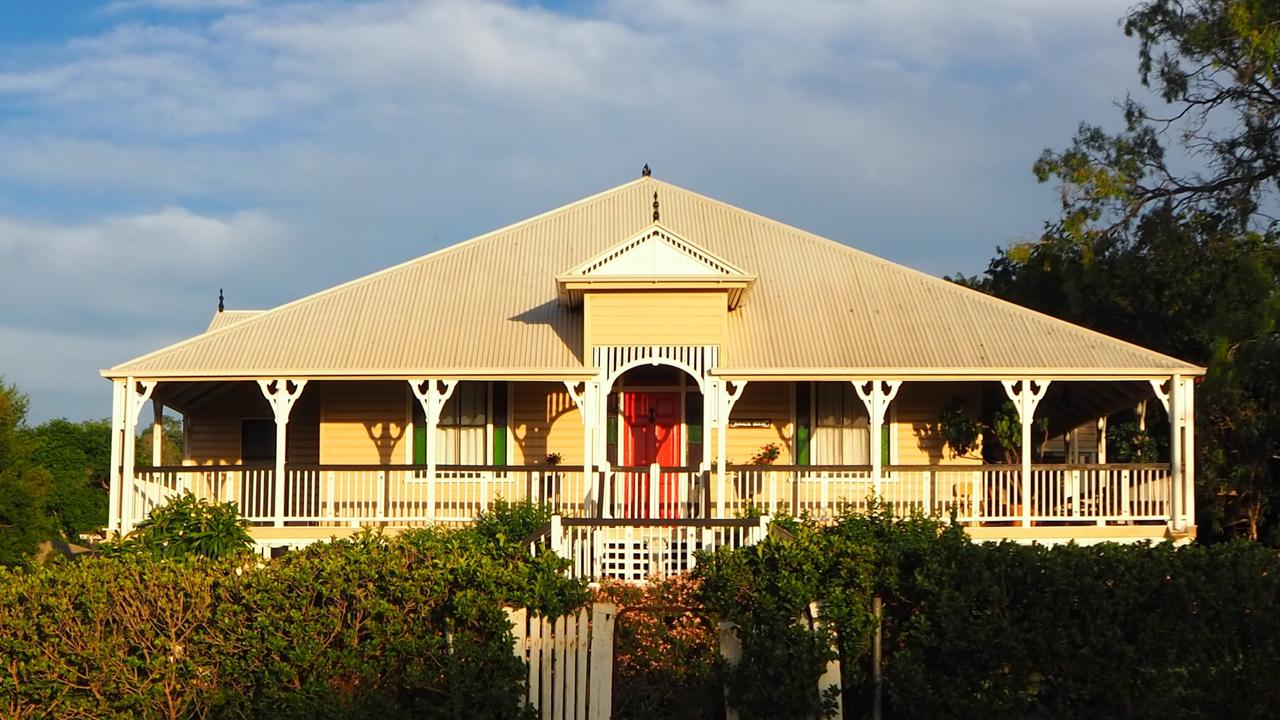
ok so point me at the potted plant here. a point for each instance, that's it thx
(767, 454)
(551, 478)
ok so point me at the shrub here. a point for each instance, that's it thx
(1001, 631)
(185, 527)
(393, 627)
(666, 651)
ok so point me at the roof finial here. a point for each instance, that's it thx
(221, 306)
(645, 171)
(655, 207)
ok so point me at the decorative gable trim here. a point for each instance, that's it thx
(686, 266)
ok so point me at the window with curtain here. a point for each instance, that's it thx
(841, 433)
(461, 435)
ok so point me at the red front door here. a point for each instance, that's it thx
(653, 436)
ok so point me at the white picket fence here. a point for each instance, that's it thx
(570, 662)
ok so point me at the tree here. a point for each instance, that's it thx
(78, 457)
(1166, 237)
(1215, 64)
(171, 439)
(23, 485)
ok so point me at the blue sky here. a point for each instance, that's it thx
(153, 151)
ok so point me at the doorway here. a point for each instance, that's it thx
(653, 424)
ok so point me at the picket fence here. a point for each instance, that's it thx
(570, 661)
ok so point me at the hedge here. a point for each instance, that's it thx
(410, 626)
(1001, 630)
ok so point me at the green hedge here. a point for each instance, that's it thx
(1002, 631)
(410, 626)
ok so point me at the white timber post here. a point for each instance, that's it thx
(136, 394)
(116, 484)
(1167, 399)
(1025, 399)
(725, 400)
(586, 400)
(1176, 469)
(281, 399)
(1189, 452)
(600, 451)
(710, 391)
(1100, 442)
(876, 395)
(157, 433)
(432, 394)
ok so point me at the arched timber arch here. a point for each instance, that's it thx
(695, 360)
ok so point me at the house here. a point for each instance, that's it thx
(651, 358)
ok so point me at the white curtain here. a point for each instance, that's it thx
(841, 435)
(461, 436)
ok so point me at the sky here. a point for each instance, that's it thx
(154, 151)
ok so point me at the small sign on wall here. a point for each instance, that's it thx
(750, 423)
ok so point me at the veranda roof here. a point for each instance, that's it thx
(489, 307)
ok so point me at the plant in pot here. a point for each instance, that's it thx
(551, 478)
(767, 454)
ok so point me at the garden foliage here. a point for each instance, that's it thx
(665, 651)
(1000, 631)
(373, 626)
(187, 527)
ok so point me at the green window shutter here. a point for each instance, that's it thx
(884, 443)
(693, 426)
(804, 405)
(499, 423)
(611, 428)
(419, 444)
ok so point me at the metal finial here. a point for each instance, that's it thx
(221, 305)
(655, 207)
(645, 171)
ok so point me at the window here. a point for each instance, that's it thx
(257, 441)
(841, 435)
(462, 433)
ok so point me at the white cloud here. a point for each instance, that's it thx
(379, 130)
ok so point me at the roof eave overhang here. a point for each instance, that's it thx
(938, 374)
(528, 374)
(571, 288)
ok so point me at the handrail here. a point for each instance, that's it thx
(953, 468)
(798, 468)
(661, 468)
(201, 468)
(659, 522)
(1099, 466)
(338, 467)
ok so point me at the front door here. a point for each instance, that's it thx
(653, 436)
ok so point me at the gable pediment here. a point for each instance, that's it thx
(657, 259)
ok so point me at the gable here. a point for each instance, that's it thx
(656, 252)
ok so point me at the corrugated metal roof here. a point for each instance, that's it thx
(490, 305)
(227, 318)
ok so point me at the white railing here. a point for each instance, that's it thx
(816, 490)
(407, 495)
(654, 491)
(637, 549)
(251, 488)
(976, 494)
(403, 495)
(353, 495)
